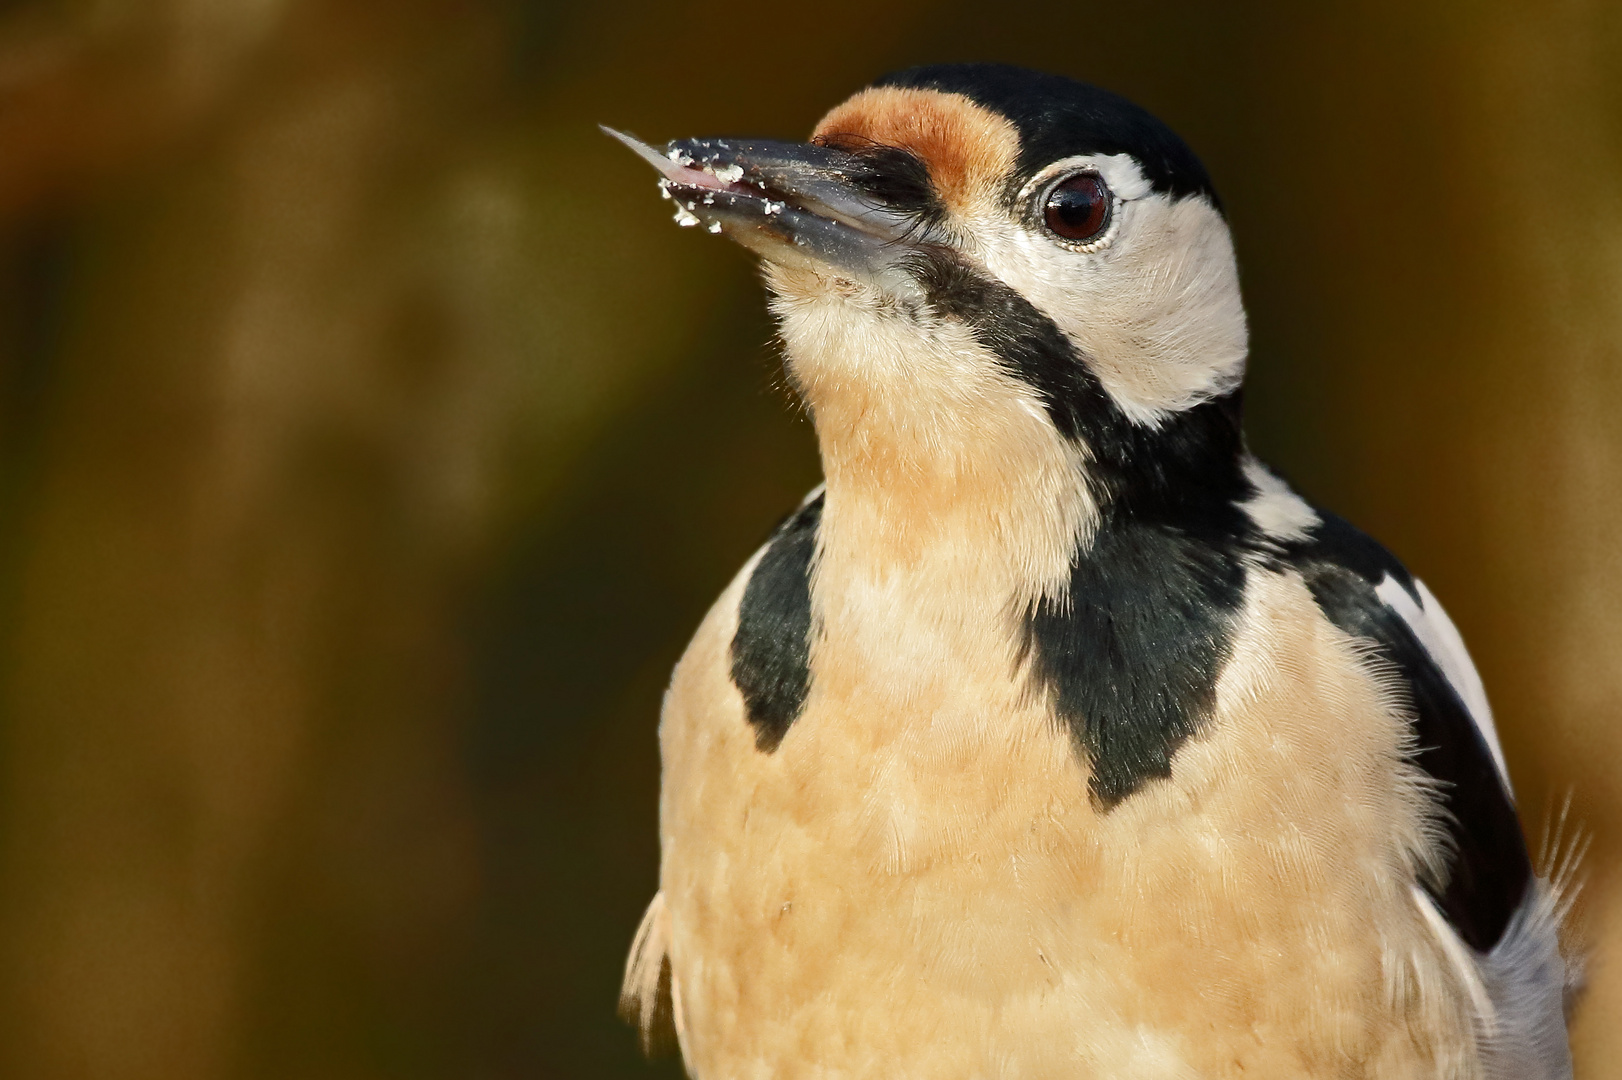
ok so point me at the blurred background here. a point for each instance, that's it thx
(371, 441)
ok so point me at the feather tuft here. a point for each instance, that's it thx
(646, 995)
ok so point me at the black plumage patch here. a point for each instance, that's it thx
(1059, 117)
(1132, 651)
(1490, 867)
(771, 648)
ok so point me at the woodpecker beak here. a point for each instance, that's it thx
(799, 205)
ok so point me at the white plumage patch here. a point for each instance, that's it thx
(1276, 510)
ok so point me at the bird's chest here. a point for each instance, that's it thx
(918, 874)
(898, 838)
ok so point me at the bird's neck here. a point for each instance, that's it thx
(930, 554)
(954, 481)
(959, 515)
(1010, 525)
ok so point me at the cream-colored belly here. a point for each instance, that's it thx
(916, 885)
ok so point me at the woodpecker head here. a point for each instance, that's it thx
(962, 242)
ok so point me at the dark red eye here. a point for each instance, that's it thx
(1078, 207)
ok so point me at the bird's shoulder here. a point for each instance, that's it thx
(770, 650)
(1364, 590)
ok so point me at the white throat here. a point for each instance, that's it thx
(953, 503)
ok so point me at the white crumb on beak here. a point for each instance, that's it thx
(680, 158)
(715, 226)
(727, 174)
(773, 208)
(685, 218)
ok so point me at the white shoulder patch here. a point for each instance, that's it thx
(1441, 640)
(1276, 510)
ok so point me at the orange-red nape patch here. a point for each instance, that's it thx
(967, 148)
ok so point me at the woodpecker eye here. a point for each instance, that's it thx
(1078, 208)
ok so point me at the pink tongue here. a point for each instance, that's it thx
(676, 172)
(687, 176)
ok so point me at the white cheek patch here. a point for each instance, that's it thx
(1441, 640)
(1155, 309)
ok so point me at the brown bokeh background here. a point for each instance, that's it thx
(370, 442)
